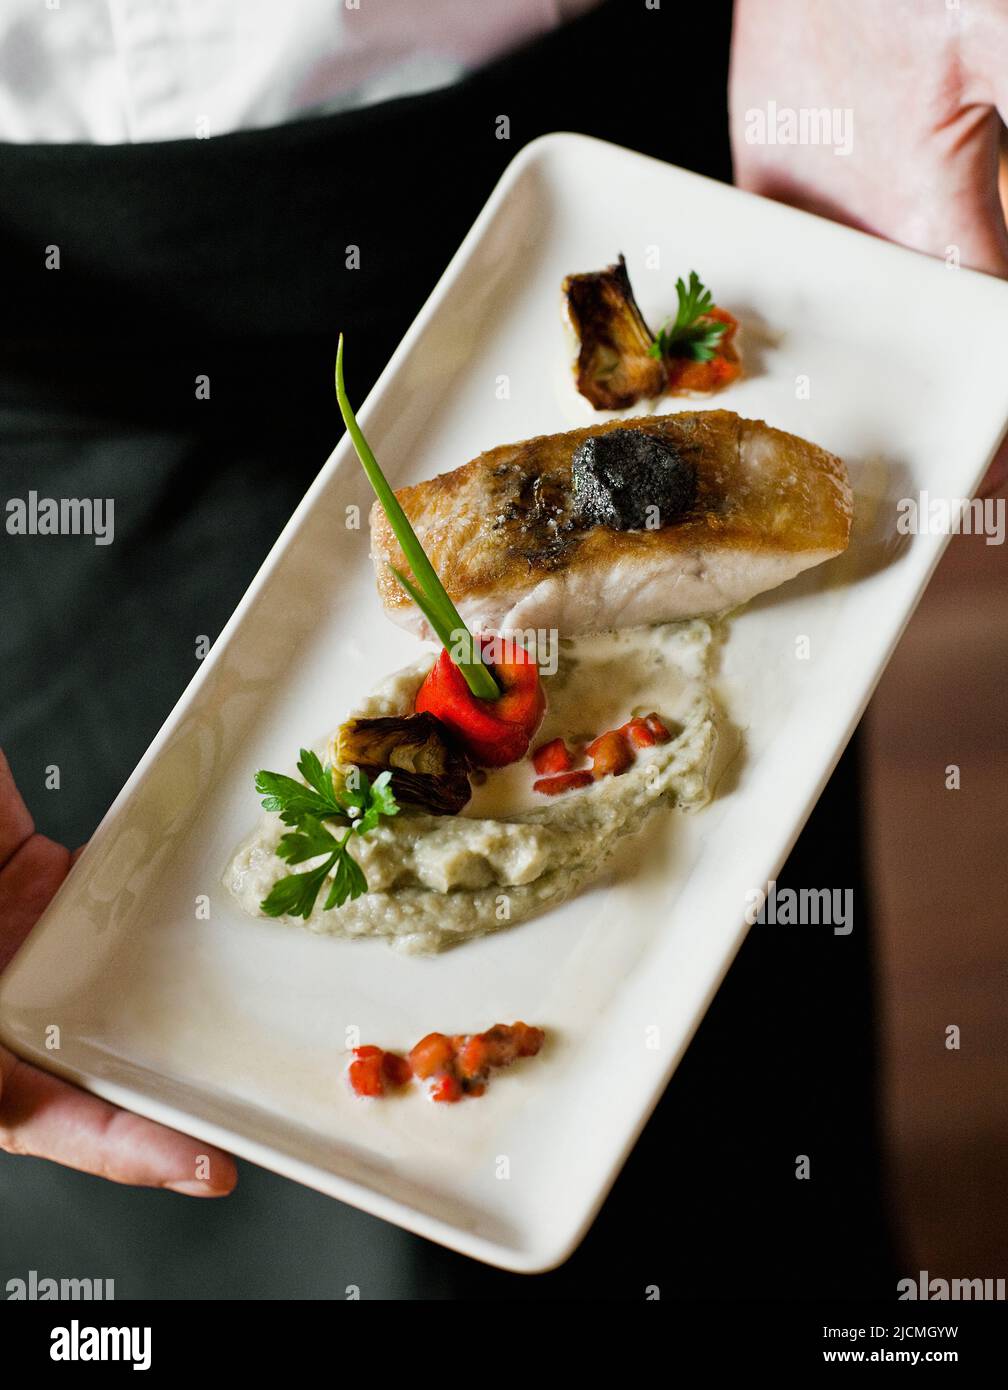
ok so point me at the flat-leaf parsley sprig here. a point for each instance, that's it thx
(690, 333)
(304, 806)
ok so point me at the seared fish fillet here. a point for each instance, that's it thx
(509, 537)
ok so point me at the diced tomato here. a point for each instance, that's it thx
(610, 754)
(432, 1054)
(552, 757)
(564, 782)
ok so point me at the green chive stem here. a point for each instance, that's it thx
(430, 595)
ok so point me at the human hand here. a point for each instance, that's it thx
(46, 1117)
(920, 84)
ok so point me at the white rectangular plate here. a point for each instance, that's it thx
(234, 1029)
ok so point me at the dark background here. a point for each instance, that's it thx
(226, 257)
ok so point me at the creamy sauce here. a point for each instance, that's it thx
(513, 853)
(600, 683)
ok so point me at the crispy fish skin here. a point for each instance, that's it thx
(501, 534)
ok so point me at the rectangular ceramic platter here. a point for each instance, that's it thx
(234, 1029)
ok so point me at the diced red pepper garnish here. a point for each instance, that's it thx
(498, 1047)
(396, 1070)
(446, 1088)
(563, 782)
(432, 1054)
(473, 1058)
(657, 728)
(455, 1066)
(610, 754)
(365, 1072)
(552, 757)
(685, 374)
(645, 732)
(492, 732)
(373, 1069)
(528, 1039)
(636, 731)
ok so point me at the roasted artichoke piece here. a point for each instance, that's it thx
(614, 366)
(427, 770)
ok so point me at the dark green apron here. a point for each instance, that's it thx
(225, 257)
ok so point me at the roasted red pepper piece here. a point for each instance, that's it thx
(396, 1070)
(552, 757)
(432, 1054)
(686, 374)
(610, 753)
(446, 1088)
(499, 1046)
(373, 1069)
(636, 731)
(528, 1040)
(492, 732)
(563, 782)
(645, 732)
(366, 1071)
(455, 1066)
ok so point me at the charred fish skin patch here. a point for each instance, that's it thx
(533, 510)
(629, 479)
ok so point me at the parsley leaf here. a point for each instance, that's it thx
(307, 842)
(359, 808)
(294, 896)
(319, 777)
(690, 333)
(381, 802)
(348, 882)
(292, 799)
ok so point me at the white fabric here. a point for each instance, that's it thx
(113, 71)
